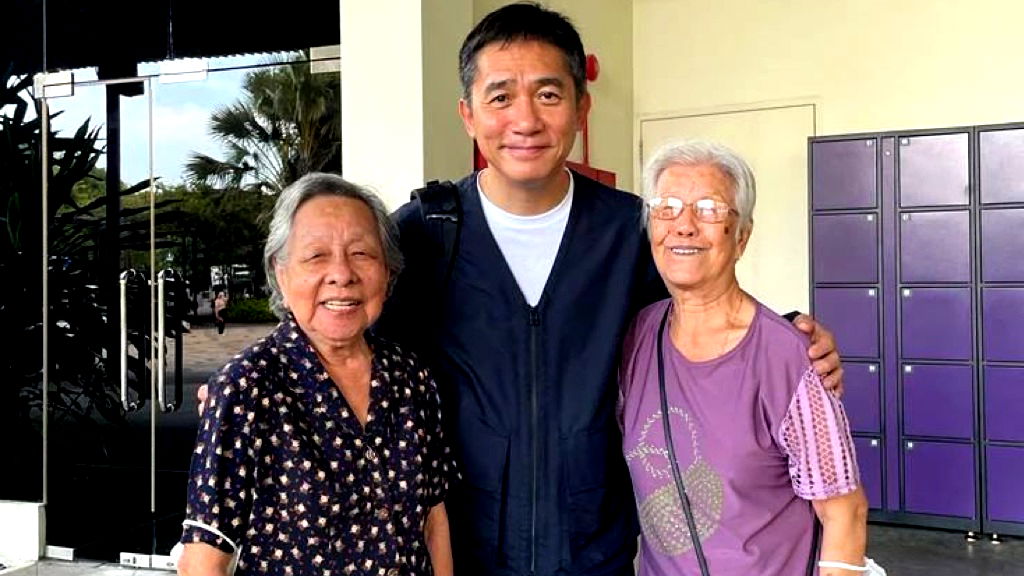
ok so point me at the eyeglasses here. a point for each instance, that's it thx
(707, 210)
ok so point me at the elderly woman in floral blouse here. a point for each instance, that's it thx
(320, 448)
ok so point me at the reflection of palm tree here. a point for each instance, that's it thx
(287, 123)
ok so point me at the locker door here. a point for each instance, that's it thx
(1005, 470)
(845, 248)
(935, 247)
(861, 397)
(1004, 403)
(938, 401)
(936, 323)
(1002, 245)
(844, 174)
(933, 170)
(852, 315)
(938, 478)
(1003, 323)
(869, 460)
(1002, 166)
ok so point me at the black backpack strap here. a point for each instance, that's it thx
(441, 210)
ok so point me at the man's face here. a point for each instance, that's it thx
(523, 112)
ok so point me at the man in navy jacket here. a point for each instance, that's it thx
(524, 330)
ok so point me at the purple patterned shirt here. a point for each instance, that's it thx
(756, 435)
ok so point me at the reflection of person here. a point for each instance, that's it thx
(320, 448)
(755, 433)
(550, 268)
(220, 302)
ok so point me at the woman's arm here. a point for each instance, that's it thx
(844, 530)
(439, 542)
(201, 559)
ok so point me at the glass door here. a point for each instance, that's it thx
(135, 268)
(116, 316)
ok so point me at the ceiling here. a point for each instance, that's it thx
(115, 35)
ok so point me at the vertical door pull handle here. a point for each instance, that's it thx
(129, 405)
(161, 330)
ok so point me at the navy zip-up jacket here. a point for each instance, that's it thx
(529, 393)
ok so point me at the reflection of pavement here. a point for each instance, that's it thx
(205, 351)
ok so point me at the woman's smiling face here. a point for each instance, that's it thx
(333, 278)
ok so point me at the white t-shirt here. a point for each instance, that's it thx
(528, 243)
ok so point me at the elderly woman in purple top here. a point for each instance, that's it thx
(754, 433)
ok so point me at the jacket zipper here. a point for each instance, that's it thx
(534, 416)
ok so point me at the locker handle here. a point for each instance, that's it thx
(874, 442)
(907, 292)
(908, 369)
(872, 368)
(910, 445)
(872, 292)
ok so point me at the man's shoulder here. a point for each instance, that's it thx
(412, 209)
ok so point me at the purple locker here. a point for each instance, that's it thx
(1002, 166)
(938, 401)
(844, 174)
(938, 478)
(1005, 471)
(869, 461)
(1002, 245)
(846, 248)
(1003, 323)
(861, 397)
(936, 323)
(935, 247)
(852, 315)
(1004, 403)
(933, 170)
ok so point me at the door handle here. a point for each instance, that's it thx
(129, 405)
(161, 330)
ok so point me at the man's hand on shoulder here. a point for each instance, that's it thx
(201, 393)
(823, 353)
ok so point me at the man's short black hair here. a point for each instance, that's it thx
(524, 22)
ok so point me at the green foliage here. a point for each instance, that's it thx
(287, 123)
(80, 388)
(249, 310)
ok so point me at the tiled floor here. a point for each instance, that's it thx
(901, 551)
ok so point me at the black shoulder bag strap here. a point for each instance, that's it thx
(441, 210)
(691, 524)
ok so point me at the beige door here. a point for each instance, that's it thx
(775, 268)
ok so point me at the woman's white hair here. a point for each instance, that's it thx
(705, 153)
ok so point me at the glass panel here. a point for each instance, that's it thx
(99, 446)
(21, 291)
(117, 471)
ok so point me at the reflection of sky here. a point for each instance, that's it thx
(181, 114)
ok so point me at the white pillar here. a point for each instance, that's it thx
(400, 91)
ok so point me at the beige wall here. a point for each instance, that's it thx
(448, 152)
(399, 90)
(606, 28)
(870, 64)
(864, 65)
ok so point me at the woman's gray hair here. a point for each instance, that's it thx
(704, 153)
(311, 186)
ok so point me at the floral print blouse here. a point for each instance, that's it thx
(284, 469)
